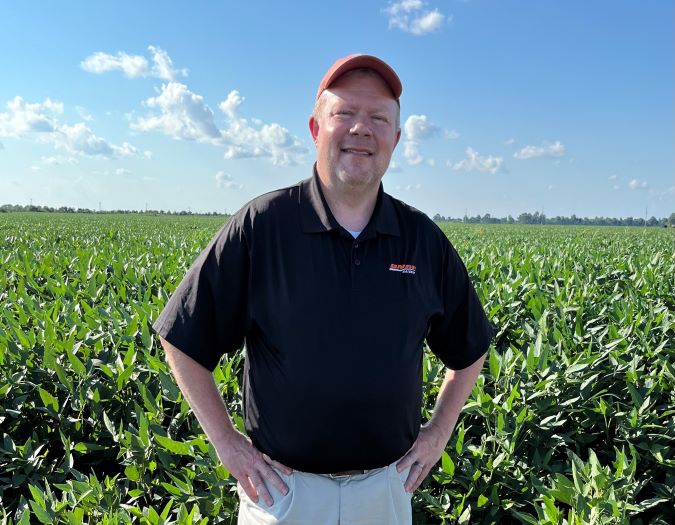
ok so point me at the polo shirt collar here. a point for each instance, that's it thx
(316, 216)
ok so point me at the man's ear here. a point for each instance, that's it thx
(398, 137)
(314, 128)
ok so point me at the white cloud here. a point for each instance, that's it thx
(147, 154)
(35, 168)
(271, 141)
(134, 66)
(182, 115)
(231, 104)
(451, 134)
(412, 17)
(224, 181)
(417, 127)
(22, 119)
(615, 187)
(546, 150)
(411, 153)
(550, 187)
(509, 141)
(611, 177)
(122, 171)
(475, 162)
(80, 139)
(163, 67)
(635, 184)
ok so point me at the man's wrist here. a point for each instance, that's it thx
(442, 434)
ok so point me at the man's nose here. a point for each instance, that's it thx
(360, 127)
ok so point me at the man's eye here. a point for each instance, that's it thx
(380, 117)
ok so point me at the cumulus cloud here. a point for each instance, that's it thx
(411, 153)
(41, 121)
(22, 118)
(510, 141)
(412, 16)
(163, 65)
(254, 139)
(475, 162)
(231, 104)
(557, 149)
(134, 66)
(451, 134)
(612, 177)
(636, 184)
(418, 127)
(224, 181)
(182, 115)
(131, 65)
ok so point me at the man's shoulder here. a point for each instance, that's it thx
(268, 205)
(415, 221)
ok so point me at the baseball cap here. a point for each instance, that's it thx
(341, 66)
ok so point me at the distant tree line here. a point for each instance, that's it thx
(523, 218)
(5, 208)
(540, 218)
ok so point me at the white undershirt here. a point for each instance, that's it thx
(354, 234)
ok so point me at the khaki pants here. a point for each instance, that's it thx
(375, 498)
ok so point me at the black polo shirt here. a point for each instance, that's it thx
(334, 326)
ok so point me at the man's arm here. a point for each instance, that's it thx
(434, 436)
(235, 450)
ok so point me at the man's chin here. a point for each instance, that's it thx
(358, 178)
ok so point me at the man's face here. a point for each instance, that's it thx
(355, 131)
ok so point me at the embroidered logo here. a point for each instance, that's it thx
(403, 268)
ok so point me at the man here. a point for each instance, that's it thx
(334, 286)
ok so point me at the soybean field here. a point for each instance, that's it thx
(572, 420)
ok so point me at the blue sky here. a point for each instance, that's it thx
(564, 107)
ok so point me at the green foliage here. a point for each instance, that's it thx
(571, 422)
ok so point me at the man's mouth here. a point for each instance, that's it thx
(357, 151)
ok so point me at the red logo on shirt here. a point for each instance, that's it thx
(403, 268)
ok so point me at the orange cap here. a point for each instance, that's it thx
(358, 61)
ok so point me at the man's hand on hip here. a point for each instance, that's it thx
(251, 467)
(423, 455)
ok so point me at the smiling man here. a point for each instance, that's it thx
(334, 286)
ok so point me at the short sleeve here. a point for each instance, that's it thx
(206, 316)
(461, 333)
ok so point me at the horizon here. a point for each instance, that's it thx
(565, 109)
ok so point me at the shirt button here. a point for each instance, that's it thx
(357, 262)
(356, 245)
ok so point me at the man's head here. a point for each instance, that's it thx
(356, 121)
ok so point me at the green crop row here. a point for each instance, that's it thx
(571, 422)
